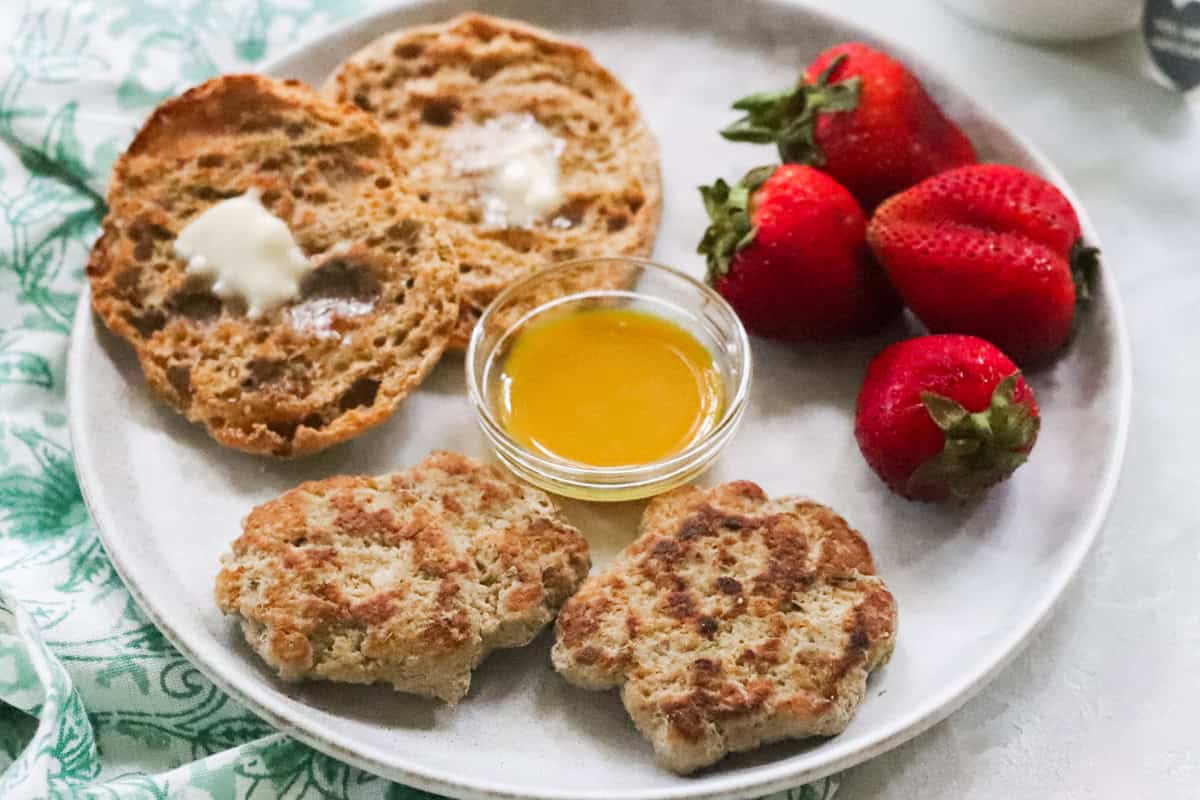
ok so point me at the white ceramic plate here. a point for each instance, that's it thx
(972, 583)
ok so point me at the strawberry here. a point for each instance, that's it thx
(786, 248)
(945, 416)
(861, 116)
(989, 250)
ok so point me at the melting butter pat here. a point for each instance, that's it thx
(246, 251)
(515, 162)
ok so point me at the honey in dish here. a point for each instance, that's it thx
(608, 387)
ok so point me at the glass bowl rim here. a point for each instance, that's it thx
(585, 473)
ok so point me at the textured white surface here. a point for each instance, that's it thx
(1105, 702)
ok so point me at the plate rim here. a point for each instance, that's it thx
(760, 780)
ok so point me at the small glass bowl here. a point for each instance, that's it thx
(628, 283)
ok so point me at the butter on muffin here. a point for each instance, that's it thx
(368, 281)
(529, 149)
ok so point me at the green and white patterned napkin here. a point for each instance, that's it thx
(94, 702)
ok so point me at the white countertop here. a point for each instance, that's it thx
(1106, 700)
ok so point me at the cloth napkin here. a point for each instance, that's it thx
(94, 702)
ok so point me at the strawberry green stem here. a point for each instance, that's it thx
(730, 228)
(788, 119)
(1085, 261)
(981, 448)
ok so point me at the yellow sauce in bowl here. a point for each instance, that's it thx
(608, 387)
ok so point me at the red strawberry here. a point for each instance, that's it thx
(861, 116)
(786, 248)
(989, 250)
(945, 417)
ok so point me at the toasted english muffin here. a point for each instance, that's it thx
(423, 84)
(371, 319)
(732, 621)
(410, 578)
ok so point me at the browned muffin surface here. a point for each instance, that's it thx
(423, 84)
(372, 318)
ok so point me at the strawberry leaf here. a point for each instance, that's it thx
(759, 126)
(788, 119)
(1085, 262)
(982, 448)
(730, 228)
(945, 412)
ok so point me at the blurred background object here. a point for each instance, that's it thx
(1053, 20)
(1170, 28)
(1172, 32)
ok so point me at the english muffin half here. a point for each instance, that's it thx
(370, 319)
(732, 621)
(410, 578)
(436, 86)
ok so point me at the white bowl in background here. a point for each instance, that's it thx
(1052, 20)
